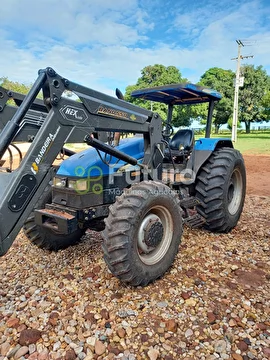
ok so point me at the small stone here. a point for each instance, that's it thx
(129, 331)
(211, 317)
(78, 350)
(71, 329)
(13, 351)
(266, 351)
(56, 346)
(67, 339)
(232, 322)
(33, 356)
(220, 346)
(162, 304)
(90, 317)
(70, 355)
(242, 345)
(29, 336)
(32, 348)
(237, 356)
(89, 357)
(21, 352)
(100, 348)
(186, 295)
(12, 323)
(160, 330)
(104, 314)
(126, 313)
(53, 318)
(4, 348)
(103, 338)
(247, 341)
(171, 325)
(153, 354)
(144, 338)
(191, 302)
(188, 333)
(43, 355)
(121, 332)
(113, 350)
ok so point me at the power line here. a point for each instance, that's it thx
(239, 57)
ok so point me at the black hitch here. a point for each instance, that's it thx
(57, 220)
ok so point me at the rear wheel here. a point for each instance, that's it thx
(45, 238)
(221, 188)
(143, 232)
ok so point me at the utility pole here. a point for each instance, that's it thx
(236, 91)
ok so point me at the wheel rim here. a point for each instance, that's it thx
(155, 235)
(235, 191)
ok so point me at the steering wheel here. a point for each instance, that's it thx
(168, 131)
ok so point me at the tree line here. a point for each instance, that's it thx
(254, 96)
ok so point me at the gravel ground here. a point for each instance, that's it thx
(213, 303)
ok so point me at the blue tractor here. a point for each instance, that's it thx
(140, 193)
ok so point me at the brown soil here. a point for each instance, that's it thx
(258, 174)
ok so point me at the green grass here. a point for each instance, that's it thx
(255, 143)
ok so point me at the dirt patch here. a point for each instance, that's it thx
(258, 174)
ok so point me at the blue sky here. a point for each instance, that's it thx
(104, 44)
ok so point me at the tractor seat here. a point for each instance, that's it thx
(182, 140)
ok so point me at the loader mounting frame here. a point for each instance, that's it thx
(66, 119)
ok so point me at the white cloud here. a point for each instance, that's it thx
(102, 44)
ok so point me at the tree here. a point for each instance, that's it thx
(222, 81)
(14, 86)
(266, 105)
(251, 95)
(158, 75)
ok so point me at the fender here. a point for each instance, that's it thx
(203, 148)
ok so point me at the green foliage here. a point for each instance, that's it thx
(266, 105)
(14, 86)
(230, 121)
(158, 75)
(222, 81)
(256, 85)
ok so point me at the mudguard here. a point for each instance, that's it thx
(203, 149)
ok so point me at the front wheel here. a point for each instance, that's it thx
(143, 232)
(221, 189)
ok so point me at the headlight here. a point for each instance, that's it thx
(59, 181)
(79, 185)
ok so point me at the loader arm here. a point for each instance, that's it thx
(66, 119)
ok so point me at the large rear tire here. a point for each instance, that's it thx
(143, 232)
(45, 238)
(221, 189)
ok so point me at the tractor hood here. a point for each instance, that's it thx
(94, 162)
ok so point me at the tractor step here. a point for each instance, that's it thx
(194, 221)
(189, 202)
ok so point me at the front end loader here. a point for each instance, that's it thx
(139, 193)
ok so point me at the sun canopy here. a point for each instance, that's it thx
(178, 94)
